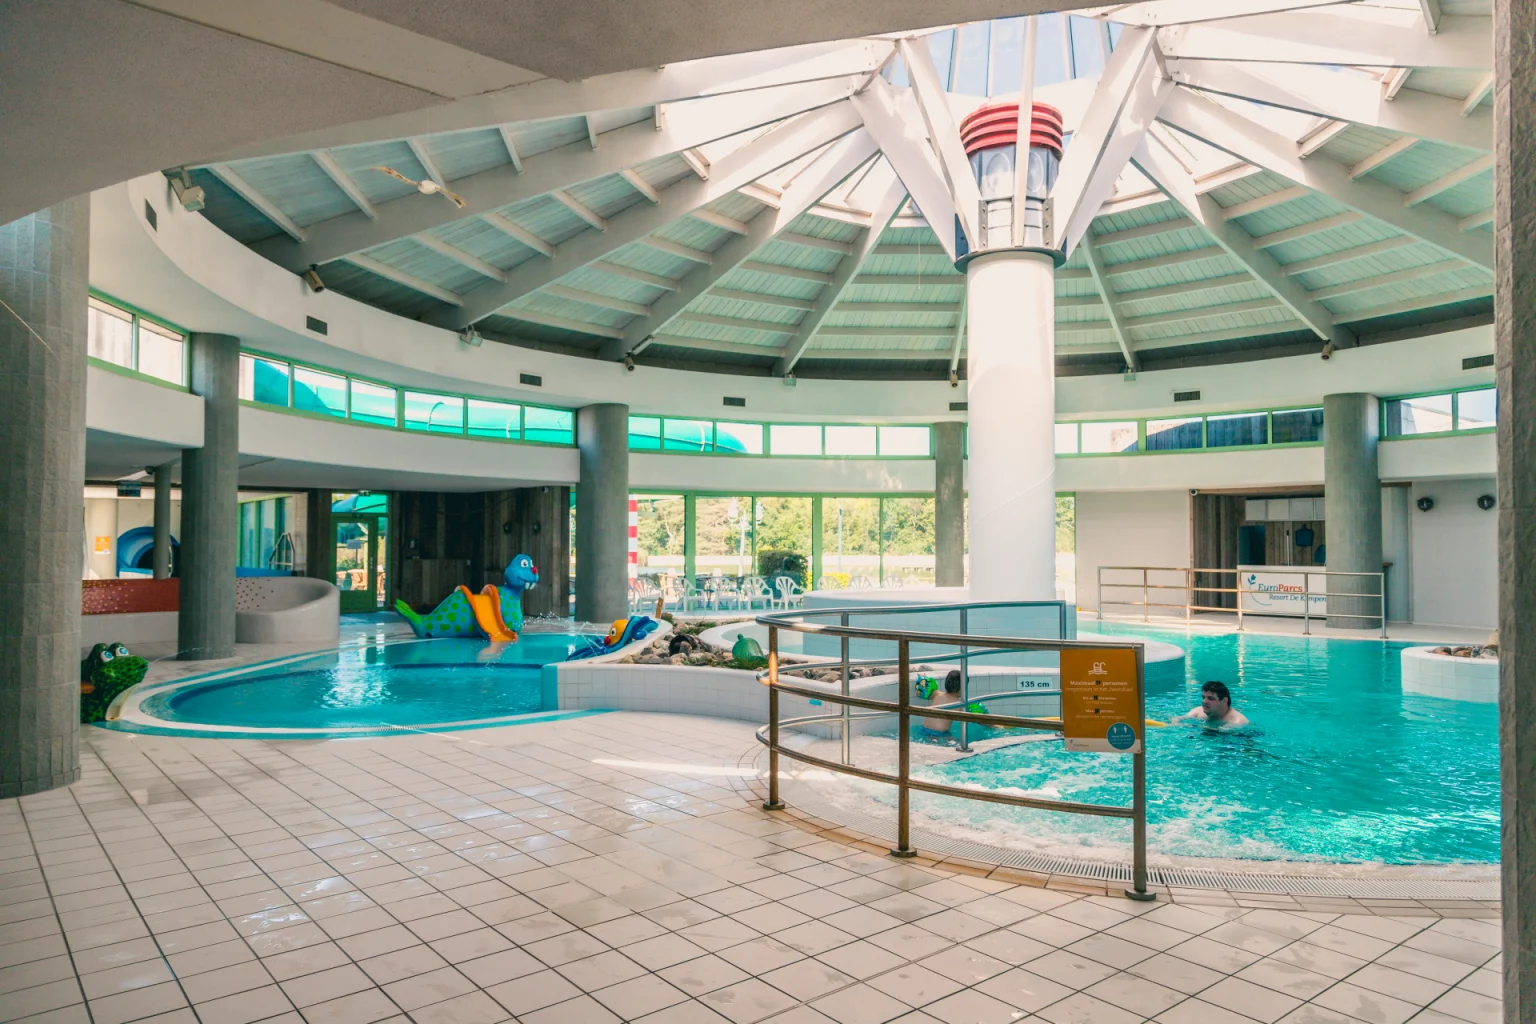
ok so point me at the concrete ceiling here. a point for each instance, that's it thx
(100, 91)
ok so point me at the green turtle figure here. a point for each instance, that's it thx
(748, 653)
(106, 672)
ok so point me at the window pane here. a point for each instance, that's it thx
(1007, 55)
(1428, 415)
(904, 441)
(109, 334)
(1230, 431)
(1173, 435)
(941, 46)
(1051, 51)
(784, 542)
(501, 420)
(724, 543)
(659, 533)
(971, 69)
(739, 438)
(1087, 47)
(1296, 426)
(688, 435)
(1066, 439)
(645, 432)
(551, 426)
(439, 414)
(314, 391)
(373, 403)
(263, 380)
(907, 542)
(794, 439)
(160, 353)
(850, 541)
(1476, 410)
(850, 440)
(1099, 438)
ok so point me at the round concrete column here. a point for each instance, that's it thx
(210, 498)
(602, 513)
(1352, 493)
(1011, 367)
(43, 262)
(949, 504)
(162, 550)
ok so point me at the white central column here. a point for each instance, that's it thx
(1011, 369)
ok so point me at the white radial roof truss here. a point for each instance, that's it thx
(1245, 173)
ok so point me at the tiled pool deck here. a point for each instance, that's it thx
(617, 867)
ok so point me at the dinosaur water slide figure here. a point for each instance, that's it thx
(495, 612)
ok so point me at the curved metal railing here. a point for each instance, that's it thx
(903, 708)
(1192, 586)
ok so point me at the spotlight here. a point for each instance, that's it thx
(1425, 504)
(629, 363)
(191, 197)
(790, 380)
(1486, 502)
(470, 337)
(312, 278)
(954, 379)
(1328, 351)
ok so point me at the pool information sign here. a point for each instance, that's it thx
(1100, 701)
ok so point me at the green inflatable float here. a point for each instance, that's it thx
(106, 672)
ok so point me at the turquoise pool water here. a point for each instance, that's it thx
(1339, 765)
(378, 685)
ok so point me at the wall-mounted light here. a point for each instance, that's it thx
(1486, 502)
(192, 197)
(470, 337)
(954, 379)
(629, 363)
(312, 278)
(1425, 504)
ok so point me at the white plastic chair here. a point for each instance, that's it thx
(861, 583)
(755, 589)
(789, 593)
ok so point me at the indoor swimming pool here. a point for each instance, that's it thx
(1339, 765)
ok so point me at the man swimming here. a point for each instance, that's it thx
(1216, 708)
(950, 694)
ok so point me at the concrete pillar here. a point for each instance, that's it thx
(210, 514)
(1514, 332)
(602, 513)
(1396, 548)
(949, 504)
(1011, 367)
(43, 263)
(162, 550)
(1352, 493)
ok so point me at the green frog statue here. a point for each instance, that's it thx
(106, 672)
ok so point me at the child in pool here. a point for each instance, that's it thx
(950, 694)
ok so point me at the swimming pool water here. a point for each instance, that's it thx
(1340, 764)
(423, 683)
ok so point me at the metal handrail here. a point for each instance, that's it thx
(769, 735)
(1189, 587)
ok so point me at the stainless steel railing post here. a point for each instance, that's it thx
(774, 803)
(1145, 598)
(904, 753)
(1306, 604)
(1101, 592)
(965, 676)
(1238, 577)
(1138, 890)
(847, 711)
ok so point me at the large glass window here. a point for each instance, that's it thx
(1088, 45)
(1066, 439)
(739, 438)
(645, 433)
(437, 414)
(1051, 51)
(724, 543)
(907, 442)
(1233, 431)
(660, 533)
(906, 534)
(1102, 438)
(373, 403)
(1174, 435)
(1429, 414)
(688, 435)
(314, 391)
(500, 420)
(850, 440)
(784, 541)
(850, 541)
(550, 426)
(263, 380)
(794, 439)
(941, 46)
(161, 352)
(1477, 410)
(1296, 426)
(971, 65)
(109, 334)
(1007, 55)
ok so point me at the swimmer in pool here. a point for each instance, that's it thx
(949, 695)
(1216, 708)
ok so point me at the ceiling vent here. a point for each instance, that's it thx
(735, 403)
(1186, 396)
(314, 323)
(530, 379)
(1476, 362)
(149, 215)
(959, 406)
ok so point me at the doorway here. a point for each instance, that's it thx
(360, 524)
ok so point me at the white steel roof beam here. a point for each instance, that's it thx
(579, 208)
(534, 316)
(1383, 156)
(511, 146)
(343, 181)
(520, 233)
(958, 345)
(769, 151)
(889, 115)
(944, 136)
(560, 291)
(1449, 181)
(1431, 10)
(1342, 34)
(1382, 280)
(461, 257)
(1117, 322)
(400, 277)
(1227, 130)
(1481, 91)
(624, 148)
(1285, 195)
(1358, 252)
(1161, 13)
(640, 185)
(266, 207)
(429, 165)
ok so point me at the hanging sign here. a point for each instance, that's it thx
(1101, 701)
